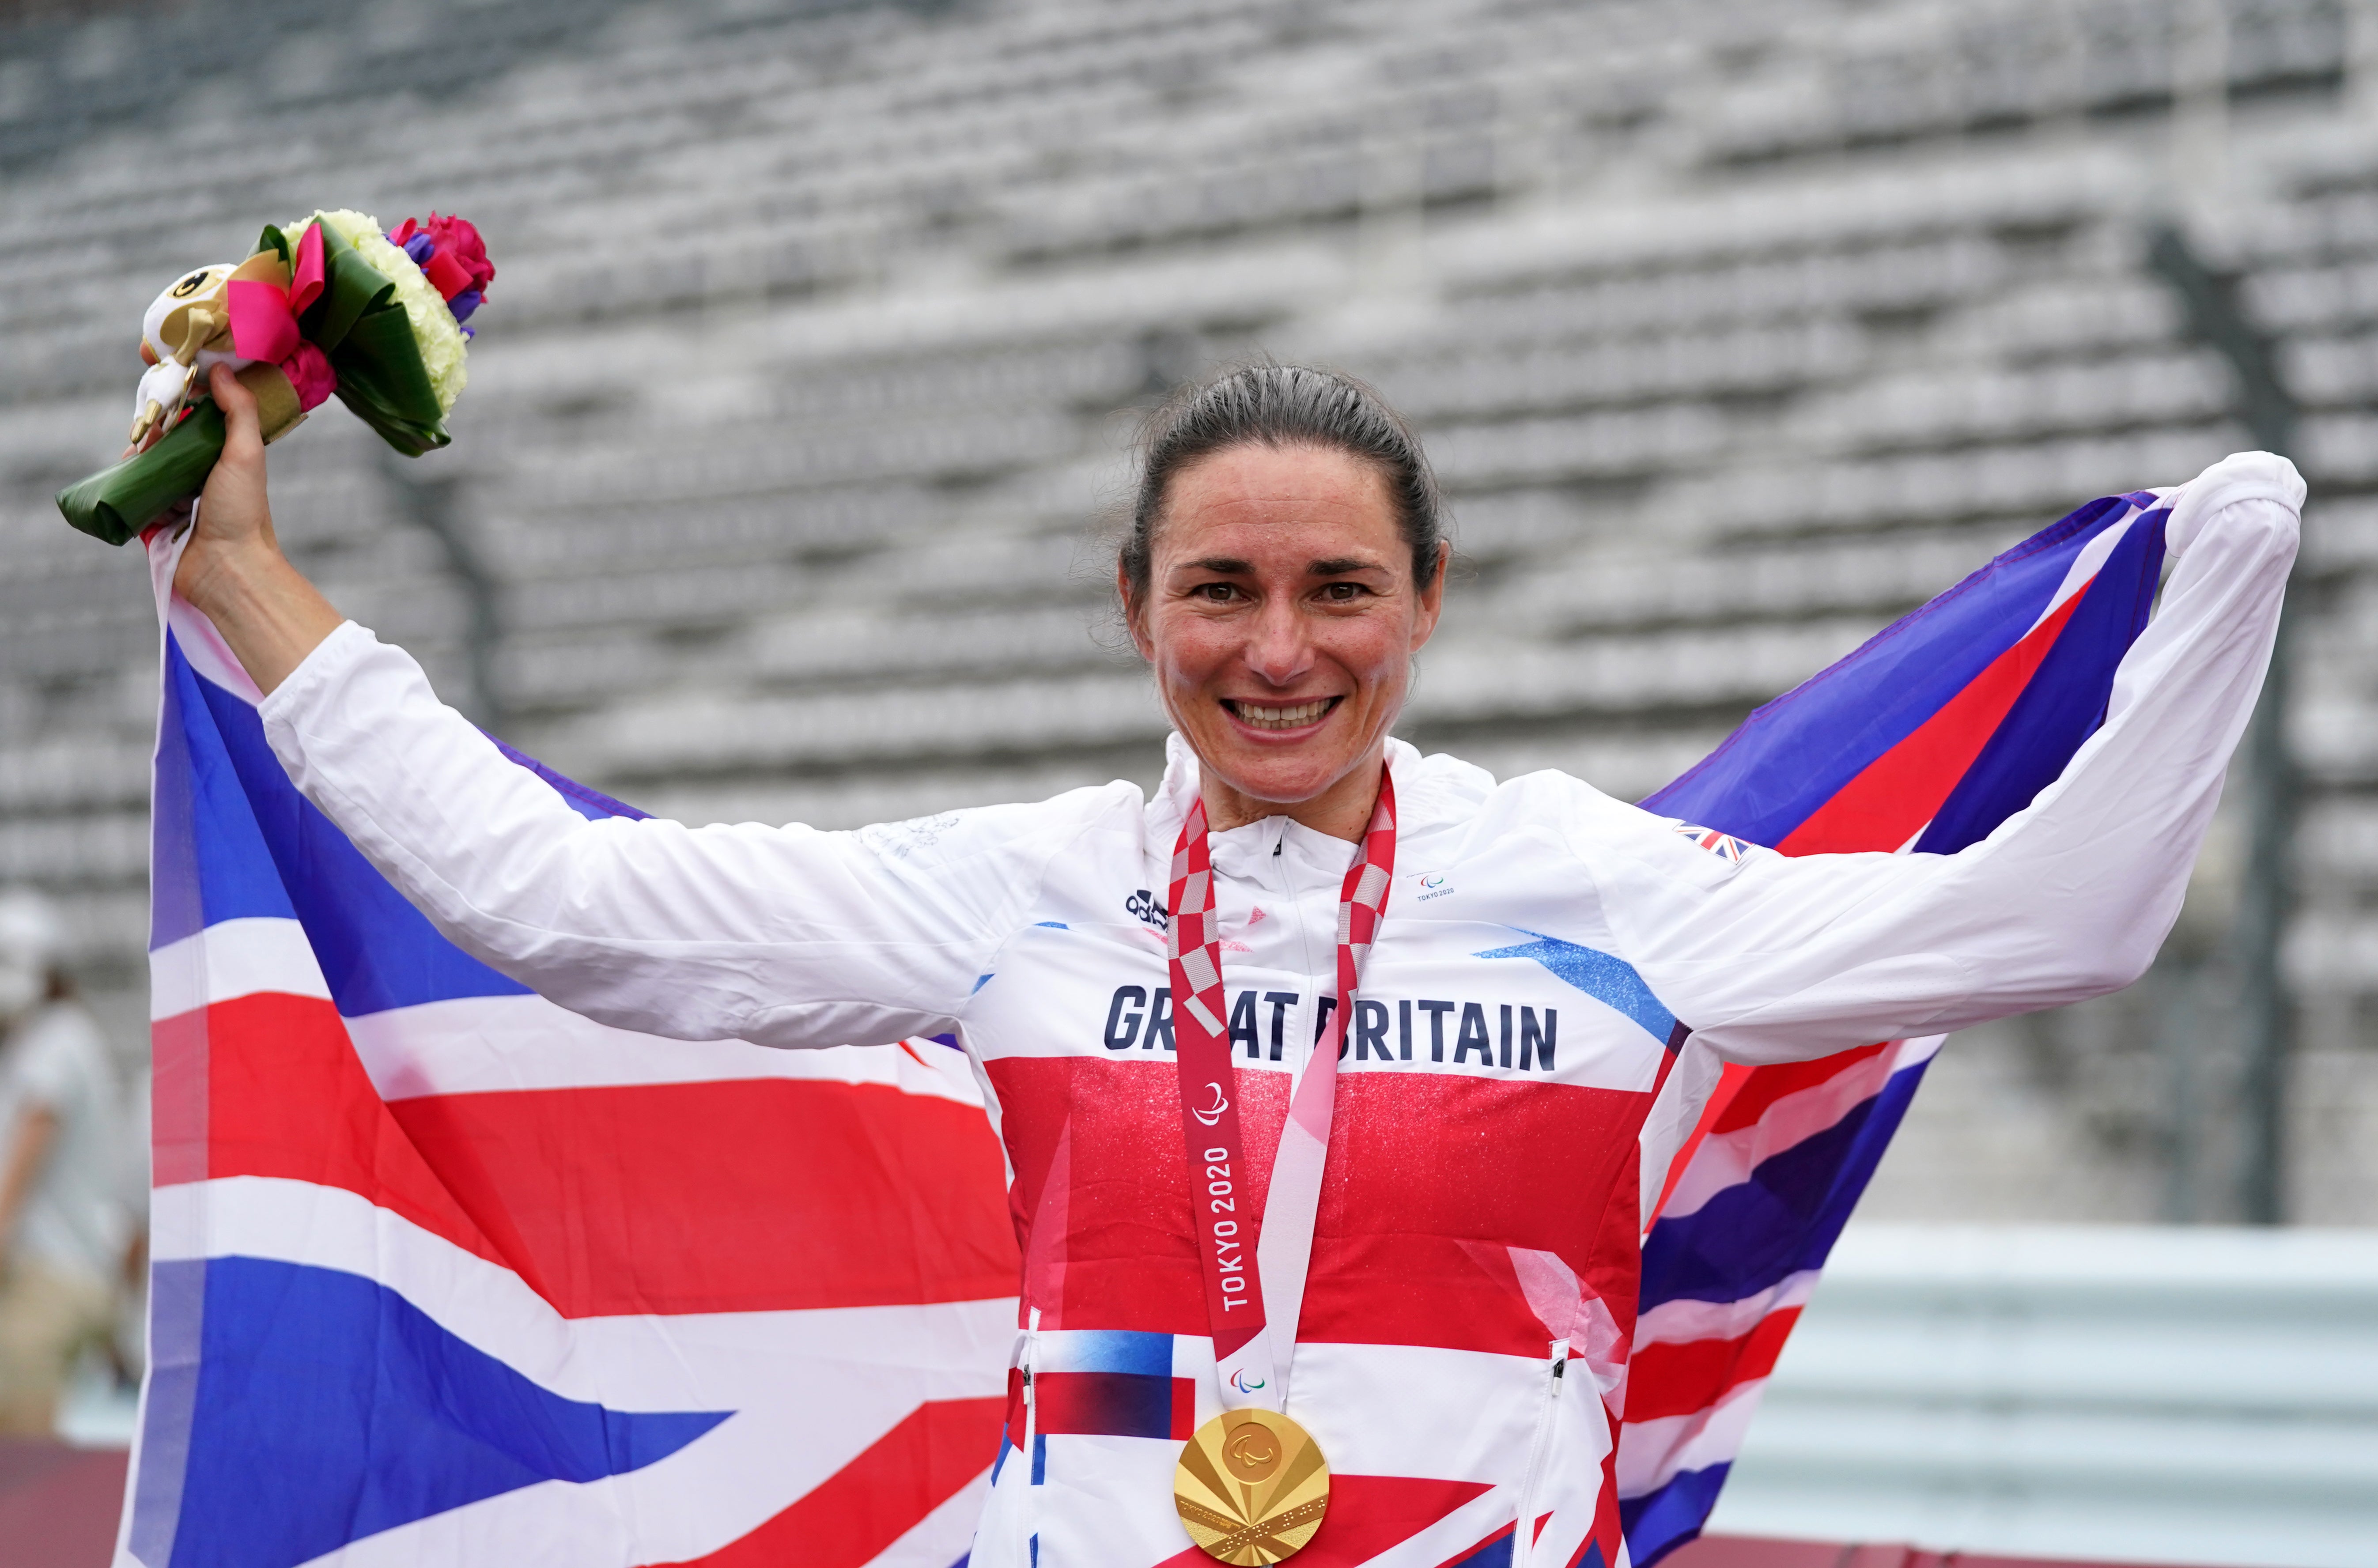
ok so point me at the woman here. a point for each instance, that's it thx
(1326, 1036)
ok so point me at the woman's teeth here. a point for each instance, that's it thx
(1292, 717)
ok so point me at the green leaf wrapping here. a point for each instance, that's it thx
(382, 379)
(116, 503)
(362, 326)
(357, 322)
(350, 287)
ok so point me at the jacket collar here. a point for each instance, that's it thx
(1416, 801)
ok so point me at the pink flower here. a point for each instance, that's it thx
(311, 376)
(458, 260)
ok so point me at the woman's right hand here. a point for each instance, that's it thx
(232, 569)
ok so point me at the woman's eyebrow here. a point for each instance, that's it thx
(1341, 566)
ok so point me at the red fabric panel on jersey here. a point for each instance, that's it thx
(1429, 1175)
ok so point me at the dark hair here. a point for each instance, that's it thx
(1283, 405)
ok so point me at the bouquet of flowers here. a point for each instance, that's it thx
(377, 319)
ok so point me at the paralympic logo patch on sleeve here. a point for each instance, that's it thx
(1725, 846)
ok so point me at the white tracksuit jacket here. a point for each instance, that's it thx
(1544, 947)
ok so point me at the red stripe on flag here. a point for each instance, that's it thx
(1744, 1094)
(767, 1194)
(1761, 1088)
(1900, 791)
(1731, 1078)
(286, 1097)
(773, 1194)
(1680, 1379)
(854, 1514)
(177, 1098)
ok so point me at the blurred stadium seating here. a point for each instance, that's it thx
(2139, 1394)
(1735, 328)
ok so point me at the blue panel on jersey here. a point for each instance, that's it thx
(330, 1408)
(1108, 1350)
(1609, 980)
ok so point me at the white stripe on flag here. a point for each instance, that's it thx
(633, 1361)
(232, 959)
(2085, 567)
(1681, 1323)
(1652, 1454)
(473, 1045)
(1726, 1159)
(209, 655)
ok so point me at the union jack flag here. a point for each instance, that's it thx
(1939, 728)
(444, 1274)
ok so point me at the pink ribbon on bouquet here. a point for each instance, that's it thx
(264, 297)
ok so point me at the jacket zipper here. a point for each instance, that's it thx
(1523, 1544)
(1031, 1515)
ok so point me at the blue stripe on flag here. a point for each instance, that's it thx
(209, 858)
(590, 804)
(1495, 1553)
(1797, 752)
(1785, 1218)
(330, 1408)
(2065, 699)
(376, 951)
(1669, 1516)
(1609, 980)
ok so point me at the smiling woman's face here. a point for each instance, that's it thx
(1280, 617)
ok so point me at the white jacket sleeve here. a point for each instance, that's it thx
(782, 936)
(1775, 958)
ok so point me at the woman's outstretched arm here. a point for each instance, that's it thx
(782, 936)
(232, 571)
(1778, 959)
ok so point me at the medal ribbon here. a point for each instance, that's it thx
(1242, 1245)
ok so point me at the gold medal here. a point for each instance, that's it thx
(1252, 1487)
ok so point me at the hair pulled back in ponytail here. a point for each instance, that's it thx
(1283, 405)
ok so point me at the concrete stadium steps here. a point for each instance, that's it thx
(2167, 1395)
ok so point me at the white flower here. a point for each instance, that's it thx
(435, 330)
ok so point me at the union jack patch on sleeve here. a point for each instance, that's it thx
(1725, 846)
